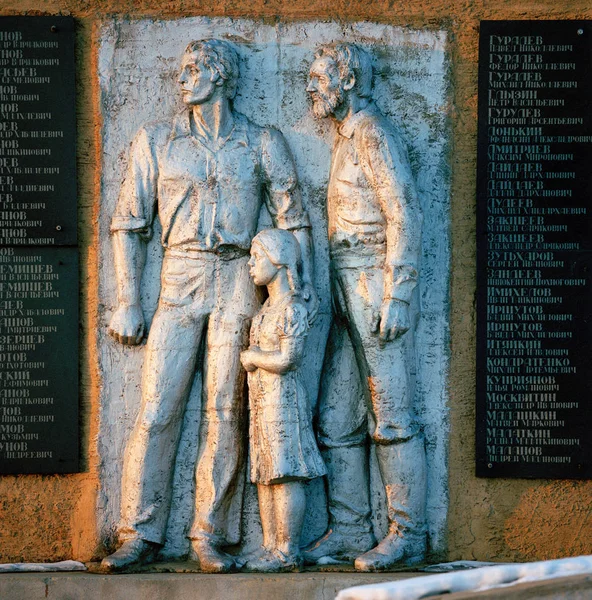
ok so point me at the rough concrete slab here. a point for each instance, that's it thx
(160, 586)
(305, 586)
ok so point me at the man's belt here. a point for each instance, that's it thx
(354, 259)
(224, 252)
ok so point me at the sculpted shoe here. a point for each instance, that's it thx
(132, 553)
(210, 558)
(393, 551)
(274, 561)
(242, 560)
(338, 545)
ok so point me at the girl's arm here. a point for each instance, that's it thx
(287, 358)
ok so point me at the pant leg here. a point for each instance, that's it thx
(149, 462)
(220, 472)
(342, 411)
(400, 446)
(403, 472)
(383, 366)
(342, 431)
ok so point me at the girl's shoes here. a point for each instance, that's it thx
(274, 561)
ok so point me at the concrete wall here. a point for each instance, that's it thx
(53, 517)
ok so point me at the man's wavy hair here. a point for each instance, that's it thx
(220, 57)
(351, 60)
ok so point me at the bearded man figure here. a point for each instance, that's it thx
(374, 240)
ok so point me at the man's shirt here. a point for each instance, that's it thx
(208, 198)
(374, 211)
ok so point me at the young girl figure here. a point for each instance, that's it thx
(283, 448)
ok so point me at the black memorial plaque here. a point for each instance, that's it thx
(534, 250)
(38, 253)
(37, 131)
(38, 360)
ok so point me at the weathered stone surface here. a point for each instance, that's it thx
(410, 89)
(54, 517)
(309, 586)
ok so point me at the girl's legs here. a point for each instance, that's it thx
(289, 500)
(267, 512)
(282, 507)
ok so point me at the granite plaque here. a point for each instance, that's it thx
(38, 254)
(38, 360)
(534, 228)
(37, 131)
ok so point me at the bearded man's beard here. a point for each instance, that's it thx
(326, 104)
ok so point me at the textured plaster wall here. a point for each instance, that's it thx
(53, 517)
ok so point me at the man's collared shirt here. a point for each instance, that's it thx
(208, 198)
(373, 206)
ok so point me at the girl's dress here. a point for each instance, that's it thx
(282, 443)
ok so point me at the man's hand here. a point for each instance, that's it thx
(393, 320)
(127, 325)
(312, 301)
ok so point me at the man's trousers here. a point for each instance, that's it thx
(202, 323)
(380, 405)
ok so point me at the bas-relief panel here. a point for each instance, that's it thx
(138, 69)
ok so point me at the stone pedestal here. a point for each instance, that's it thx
(190, 586)
(308, 586)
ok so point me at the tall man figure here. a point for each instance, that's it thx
(206, 175)
(374, 239)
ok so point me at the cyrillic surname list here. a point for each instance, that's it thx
(28, 165)
(38, 257)
(26, 327)
(530, 209)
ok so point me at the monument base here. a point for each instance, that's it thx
(251, 586)
(188, 586)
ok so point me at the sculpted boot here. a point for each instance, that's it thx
(132, 553)
(210, 558)
(350, 532)
(403, 471)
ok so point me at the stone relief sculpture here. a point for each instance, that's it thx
(191, 178)
(205, 175)
(283, 449)
(374, 239)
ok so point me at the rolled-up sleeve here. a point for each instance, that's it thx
(387, 168)
(283, 196)
(136, 205)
